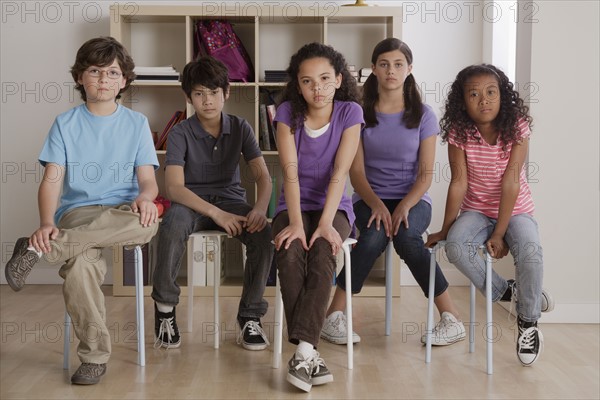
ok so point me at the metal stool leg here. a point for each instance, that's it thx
(488, 302)
(389, 280)
(472, 294)
(278, 328)
(67, 342)
(139, 300)
(348, 268)
(430, 299)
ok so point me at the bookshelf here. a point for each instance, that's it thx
(162, 35)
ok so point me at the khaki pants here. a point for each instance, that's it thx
(84, 231)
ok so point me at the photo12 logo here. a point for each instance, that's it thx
(53, 12)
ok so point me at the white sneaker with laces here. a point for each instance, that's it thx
(335, 329)
(447, 331)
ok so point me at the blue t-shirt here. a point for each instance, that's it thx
(100, 154)
(316, 156)
(391, 153)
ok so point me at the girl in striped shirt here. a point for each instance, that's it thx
(486, 125)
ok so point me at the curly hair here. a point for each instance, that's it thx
(101, 52)
(413, 105)
(348, 90)
(512, 108)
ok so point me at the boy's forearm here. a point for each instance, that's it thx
(48, 196)
(264, 188)
(184, 196)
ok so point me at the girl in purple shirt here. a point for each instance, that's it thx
(391, 175)
(318, 127)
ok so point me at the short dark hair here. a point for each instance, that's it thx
(206, 71)
(101, 52)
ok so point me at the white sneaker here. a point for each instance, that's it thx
(447, 331)
(335, 329)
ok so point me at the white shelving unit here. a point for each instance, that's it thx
(160, 35)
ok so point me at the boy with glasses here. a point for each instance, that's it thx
(101, 155)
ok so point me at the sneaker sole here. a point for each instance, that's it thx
(336, 340)
(549, 302)
(10, 265)
(321, 380)
(300, 384)
(254, 347)
(446, 342)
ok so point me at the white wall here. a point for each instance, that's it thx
(564, 150)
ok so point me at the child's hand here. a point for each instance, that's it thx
(381, 215)
(256, 221)
(232, 223)
(434, 238)
(399, 216)
(147, 210)
(330, 234)
(497, 247)
(40, 239)
(288, 235)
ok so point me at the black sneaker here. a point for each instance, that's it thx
(530, 343)
(20, 264)
(511, 295)
(165, 329)
(88, 374)
(252, 336)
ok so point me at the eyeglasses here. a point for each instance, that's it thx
(97, 72)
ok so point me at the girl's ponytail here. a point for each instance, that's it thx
(413, 105)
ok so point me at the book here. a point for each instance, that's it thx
(272, 128)
(264, 127)
(161, 143)
(167, 73)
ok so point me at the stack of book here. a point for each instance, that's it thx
(167, 73)
(267, 127)
(275, 76)
(161, 142)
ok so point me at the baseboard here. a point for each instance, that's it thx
(48, 275)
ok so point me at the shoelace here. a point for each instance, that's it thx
(166, 327)
(317, 363)
(527, 338)
(306, 364)
(254, 329)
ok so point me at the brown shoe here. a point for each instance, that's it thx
(88, 374)
(20, 264)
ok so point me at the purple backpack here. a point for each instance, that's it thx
(216, 38)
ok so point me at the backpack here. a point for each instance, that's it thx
(216, 38)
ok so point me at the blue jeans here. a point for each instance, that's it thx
(177, 225)
(408, 243)
(473, 229)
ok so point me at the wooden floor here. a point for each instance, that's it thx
(385, 367)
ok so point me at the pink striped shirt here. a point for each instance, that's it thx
(485, 168)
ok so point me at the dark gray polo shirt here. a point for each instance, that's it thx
(211, 166)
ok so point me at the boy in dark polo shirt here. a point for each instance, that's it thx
(202, 180)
